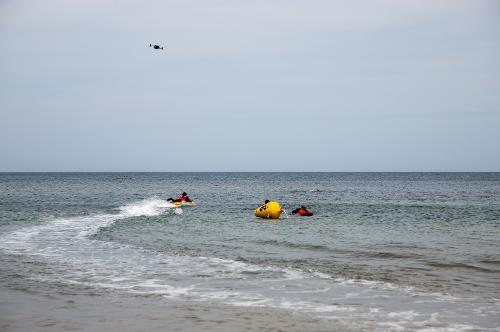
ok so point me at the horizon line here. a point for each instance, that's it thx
(20, 172)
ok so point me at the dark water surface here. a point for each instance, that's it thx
(383, 251)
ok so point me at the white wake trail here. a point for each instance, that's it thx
(60, 233)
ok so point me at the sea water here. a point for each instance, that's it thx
(383, 251)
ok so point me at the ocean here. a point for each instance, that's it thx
(383, 251)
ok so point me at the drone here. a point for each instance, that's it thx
(156, 47)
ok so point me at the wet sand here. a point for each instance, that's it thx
(32, 311)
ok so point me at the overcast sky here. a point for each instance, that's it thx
(384, 85)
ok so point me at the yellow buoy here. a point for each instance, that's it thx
(271, 210)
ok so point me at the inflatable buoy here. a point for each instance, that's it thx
(271, 210)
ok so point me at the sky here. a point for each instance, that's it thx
(275, 85)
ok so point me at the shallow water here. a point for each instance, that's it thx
(383, 251)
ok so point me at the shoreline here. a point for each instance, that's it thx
(35, 311)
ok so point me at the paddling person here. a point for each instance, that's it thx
(185, 198)
(181, 199)
(302, 211)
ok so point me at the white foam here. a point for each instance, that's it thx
(314, 307)
(294, 274)
(408, 315)
(148, 207)
(59, 233)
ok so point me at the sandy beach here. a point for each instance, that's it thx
(37, 311)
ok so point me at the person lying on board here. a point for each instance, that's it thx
(181, 199)
(302, 211)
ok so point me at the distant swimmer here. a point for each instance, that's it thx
(183, 198)
(156, 47)
(302, 211)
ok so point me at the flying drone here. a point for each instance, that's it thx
(156, 47)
